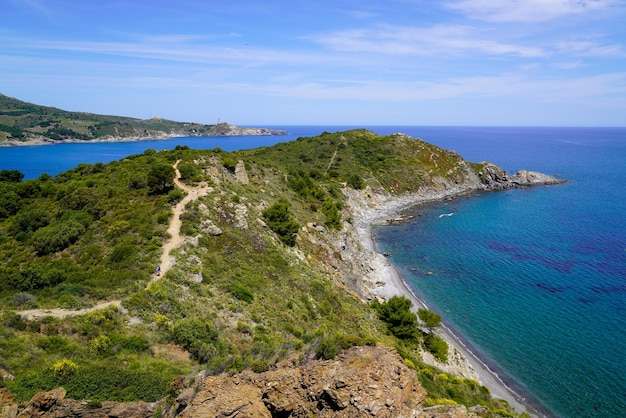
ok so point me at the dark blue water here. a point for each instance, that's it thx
(534, 280)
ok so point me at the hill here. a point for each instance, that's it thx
(262, 268)
(26, 123)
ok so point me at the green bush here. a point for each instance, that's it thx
(437, 346)
(327, 349)
(176, 195)
(54, 238)
(189, 171)
(396, 313)
(161, 178)
(332, 212)
(241, 292)
(259, 366)
(430, 319)
(356, 182)
(189, 331)
(280, 221)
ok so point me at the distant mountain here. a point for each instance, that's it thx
(23, 123)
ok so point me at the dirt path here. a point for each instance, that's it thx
(167, 261)
(176, 239)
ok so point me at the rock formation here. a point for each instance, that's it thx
(362, 382)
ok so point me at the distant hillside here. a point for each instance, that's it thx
(26, 123)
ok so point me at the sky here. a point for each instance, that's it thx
(278, 62)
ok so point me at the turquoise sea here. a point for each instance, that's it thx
(532, 280)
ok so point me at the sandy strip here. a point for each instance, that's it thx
(394, 284)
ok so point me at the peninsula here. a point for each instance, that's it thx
(24, 123)
(270, 298)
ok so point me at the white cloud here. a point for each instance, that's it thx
(441, 40)
(589, 48)
(526, 10)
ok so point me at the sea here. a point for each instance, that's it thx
(531, 280)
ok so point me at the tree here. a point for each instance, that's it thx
(161, 178)
(430, 319)
(11, 176)
(332, 209)
(396, 312)
(279, 220)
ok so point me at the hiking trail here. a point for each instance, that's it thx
(166, 260)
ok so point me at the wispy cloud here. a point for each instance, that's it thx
(451, 40)
(590, 48)
(526, 10)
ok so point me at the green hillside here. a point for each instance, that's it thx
(23, 122)
(253, 283)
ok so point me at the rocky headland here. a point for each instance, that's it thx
(362, 381)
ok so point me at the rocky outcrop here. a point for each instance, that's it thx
(493, 177)
(54, 404)
(225, 129)
(364, 381)
(532, 178)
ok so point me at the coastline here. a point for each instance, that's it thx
(390, 282)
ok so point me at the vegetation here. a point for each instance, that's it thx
(403, 323)
(235, 299)
(20, 121)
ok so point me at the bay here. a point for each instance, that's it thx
(534, 280)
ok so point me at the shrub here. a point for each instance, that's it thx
(437, 346)
(189, 171)
(64, 368)
(333, 217)
(11, 176)
(161, 178)
(138, 181)
(54, 238)
(259, 366)
(241, 292)
(121, 253)
(356, 182)
(100, 344)
(188, 331)
(326, 350)
(280, 221)
(229, 163)
(175, 195)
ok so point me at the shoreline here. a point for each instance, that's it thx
(237, 131)
(390, 282)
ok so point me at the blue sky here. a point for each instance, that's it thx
(275, 62)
